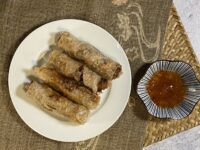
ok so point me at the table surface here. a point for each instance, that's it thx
(189, 12)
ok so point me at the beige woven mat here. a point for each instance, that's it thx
(176, 47)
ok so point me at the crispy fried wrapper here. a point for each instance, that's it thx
(65, 64)
(78, 71)
(68, 87)
(53, 102)
(95, 60)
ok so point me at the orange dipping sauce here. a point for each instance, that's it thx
(166, 89)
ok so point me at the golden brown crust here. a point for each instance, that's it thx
(76, 70)
(106, 67)
(104, 84)
(68, 87)
(65, 65)
(91, 79)
(53, 102)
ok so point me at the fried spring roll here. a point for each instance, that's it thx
(53, 102)
(74, 69)
(67, 87)
(94, 81)
(65, 64)
(104, 66)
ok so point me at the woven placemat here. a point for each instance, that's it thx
(176, 47)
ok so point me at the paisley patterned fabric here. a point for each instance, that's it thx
(139, 26)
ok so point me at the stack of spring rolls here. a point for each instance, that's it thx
(71, 81)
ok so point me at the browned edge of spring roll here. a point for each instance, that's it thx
(65, 64)
(56, 104)
(103, 65)
(72, 68)
(67, 87)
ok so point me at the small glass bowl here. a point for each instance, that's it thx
(192, 89)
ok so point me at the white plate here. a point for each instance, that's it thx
(113, 100)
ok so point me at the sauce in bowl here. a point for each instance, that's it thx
(166, 89)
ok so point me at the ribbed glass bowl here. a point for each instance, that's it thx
(192, 85)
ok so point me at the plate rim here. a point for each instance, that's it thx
(125, 58)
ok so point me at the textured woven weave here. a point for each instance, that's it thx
(176, 47)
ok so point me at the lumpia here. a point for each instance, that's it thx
(78, 71)
(65, 64)
(94, 81)
(95, 60)
(53, 102)
(70, 88)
